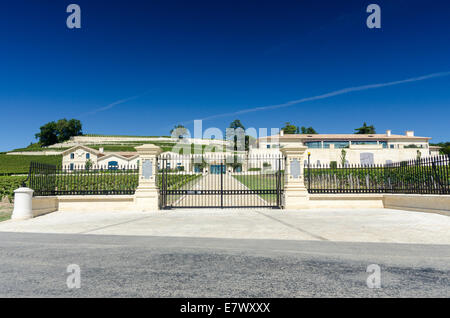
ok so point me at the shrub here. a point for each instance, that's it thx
(8, 184)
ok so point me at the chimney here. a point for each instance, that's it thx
(410, 133)
(101, 149)
(388, 132)
(281, 132)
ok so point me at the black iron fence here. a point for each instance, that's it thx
(48, 180)
(183, 182)
(429, 175)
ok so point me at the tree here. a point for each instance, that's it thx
(179, 131)
(67, 128)
(88, 165)
(60, 131)
(289, 129)
(48, 134)
(365, 130)
(343, 157)
(445, 147)
(236, 124)
(446, 150)
(308, 131)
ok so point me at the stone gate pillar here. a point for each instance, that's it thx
(295, 192)
(146, 197)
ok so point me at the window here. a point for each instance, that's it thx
(364, 142)
(391, 146)
(337, 144)
(384, 144)
(72, 156)
(313, 144)
(71, 166)
(88, 155)
(268, 146)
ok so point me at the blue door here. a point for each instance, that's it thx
(113, 165)
(217, 169)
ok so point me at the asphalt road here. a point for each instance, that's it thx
(34, 265)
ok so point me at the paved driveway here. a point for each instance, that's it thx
(218, 182)
(374, 225)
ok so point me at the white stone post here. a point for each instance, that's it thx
(295, 192)
(146, 197)
(23, 208)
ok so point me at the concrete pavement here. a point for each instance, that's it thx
(35, 265)
(371, 225)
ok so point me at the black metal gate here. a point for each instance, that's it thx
(220, 180)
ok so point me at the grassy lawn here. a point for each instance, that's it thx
(255, 182)
(261, 182)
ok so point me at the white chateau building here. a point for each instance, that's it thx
(77, 156)
(359, 149)
(323, 149)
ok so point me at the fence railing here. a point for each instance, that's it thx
(429, 175)
(48, 180)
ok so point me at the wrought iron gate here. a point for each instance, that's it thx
(220, 180)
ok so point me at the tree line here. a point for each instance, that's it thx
(292, 129)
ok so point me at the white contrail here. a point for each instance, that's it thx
(121, 101)
(330, 94)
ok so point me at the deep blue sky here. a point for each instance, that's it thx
(194, 59)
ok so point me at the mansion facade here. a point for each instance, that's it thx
(322, 148)
(359, 149)
(79, 155)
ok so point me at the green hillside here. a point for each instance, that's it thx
(20, 164)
